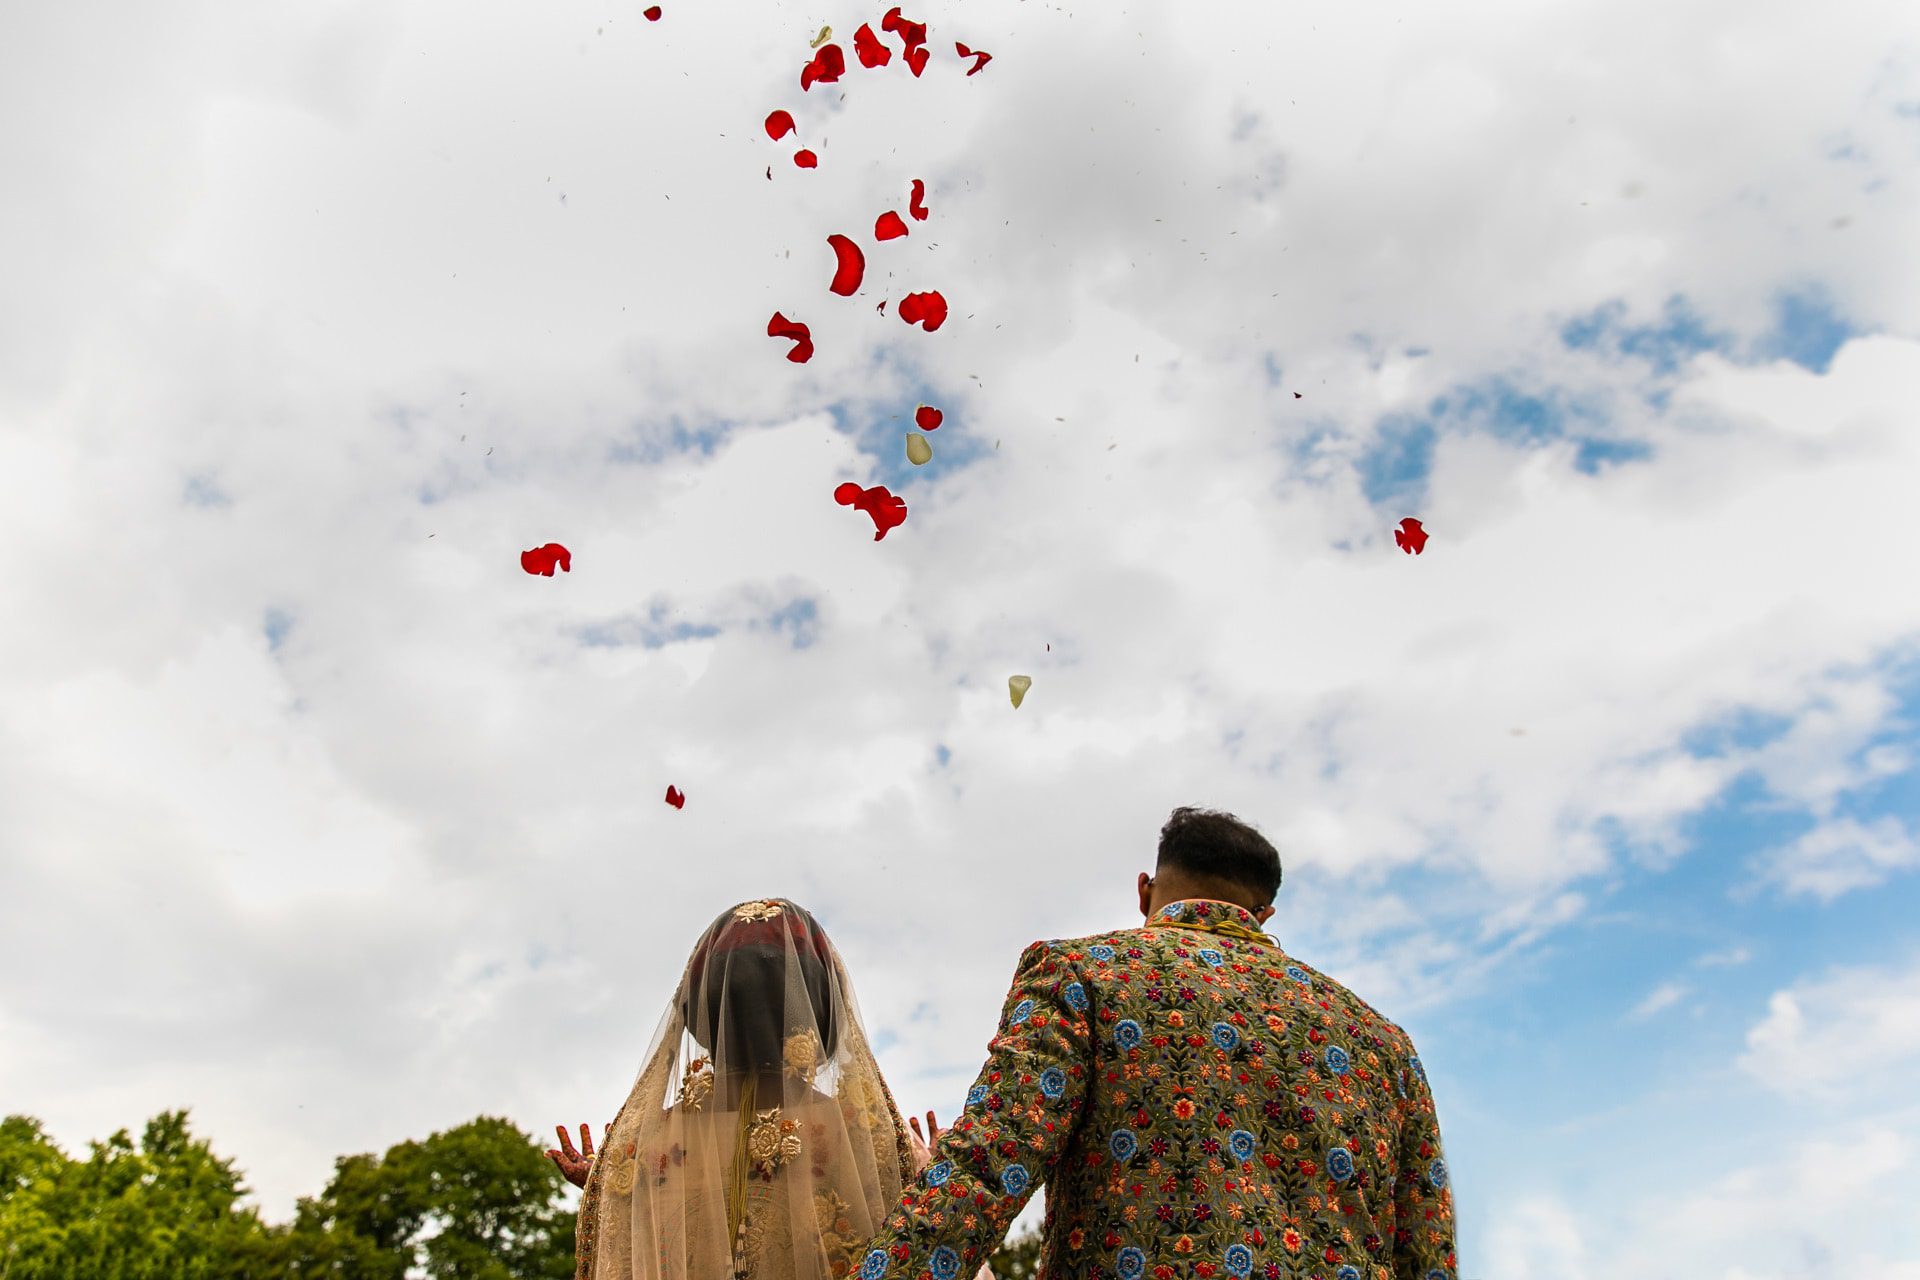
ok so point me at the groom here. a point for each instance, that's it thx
(1201, 1105)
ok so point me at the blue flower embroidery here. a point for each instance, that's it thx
(1053, 1082)
(938, 1175)
(875, 1266)
(1100, 953)
(976, 1095)
(1337, 1060)
(1075, 996)
(1347, 1272)
(1241, 1143)
(1213, 957)
(1340, 1164)
(1132, 1263)
(944, 1262)
(1021, 1012)
(1225, 1036)
(1435, 1274)
(1239, 1260)
(1013, 1179)
(1418, 1069)
(1127, 1034)
(1123, 1144)
(1437, 1173)
(1299, 975)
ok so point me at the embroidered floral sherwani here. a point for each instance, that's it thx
(1201, 1106)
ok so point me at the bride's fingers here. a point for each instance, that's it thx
(586, 1139)
(566, 1143)
(913, 1123)
(933, 1126)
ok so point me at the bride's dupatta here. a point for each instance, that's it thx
(760, 1142)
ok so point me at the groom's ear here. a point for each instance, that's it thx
(1145, 885)
(1264, 914)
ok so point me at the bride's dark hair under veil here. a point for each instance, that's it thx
(759, 1139)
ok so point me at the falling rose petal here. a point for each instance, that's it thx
(805, 159)
(882, 308)
(889, 226)
(1017, 687)
(1296, 395)
(827, 66)
(850, 266)
(917, 59)
(541, 560)
(927, 418)
(674, 797)
(1410, 536)
(919, 452)
(981, 54)
(928, 308)
(826, 34)
(769, 173)
(867, 47)
(887, 510)
(917, 205)
(781, 327)
(652, 14)
(779, 125)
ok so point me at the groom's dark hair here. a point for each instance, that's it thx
(1218, 849)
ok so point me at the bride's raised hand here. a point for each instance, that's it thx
(932, 1134)
(574, 1165)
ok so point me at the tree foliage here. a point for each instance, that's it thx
(476, 1202)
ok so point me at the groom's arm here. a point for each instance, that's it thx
(1020, 1113)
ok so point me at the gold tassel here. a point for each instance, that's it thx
(737, 1192)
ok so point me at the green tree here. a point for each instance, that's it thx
(1018, 1257)
(476, 1202)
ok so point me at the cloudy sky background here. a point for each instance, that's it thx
(323, 818)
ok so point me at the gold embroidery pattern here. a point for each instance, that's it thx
(803, 1055)
(759, 909)
(696, 1088)
(836, 1232)
(771, 1142)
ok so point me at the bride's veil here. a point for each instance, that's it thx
(759, 1140)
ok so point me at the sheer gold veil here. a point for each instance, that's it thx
(759, 1141)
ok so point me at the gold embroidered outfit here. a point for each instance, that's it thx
(764, 1144)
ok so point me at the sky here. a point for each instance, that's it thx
(326, 820)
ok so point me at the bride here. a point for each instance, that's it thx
(760, 1142)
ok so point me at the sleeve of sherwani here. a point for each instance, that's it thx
(1423, 1238)
(1019, 1116)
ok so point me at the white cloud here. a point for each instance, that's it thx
(1661, 997)
(414, 864)
(1847, 1033)
(1838, 856)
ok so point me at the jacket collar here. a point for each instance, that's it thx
(1211, 916)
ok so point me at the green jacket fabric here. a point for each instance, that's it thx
(1201, 1107)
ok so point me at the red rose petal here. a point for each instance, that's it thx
(675, 798)
(916, 206)
(917, 59)
(888, 511)
(930, 307)
(805, 159)
(652, 13)
(882, 308)
(1296, 395)
(781, 327)
(541, 560)
(779, 125)
(927, 418)
(1410, 536)
(867, 47)
(827, 66)
(981, 54)
(889, 226)
(850, 266)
